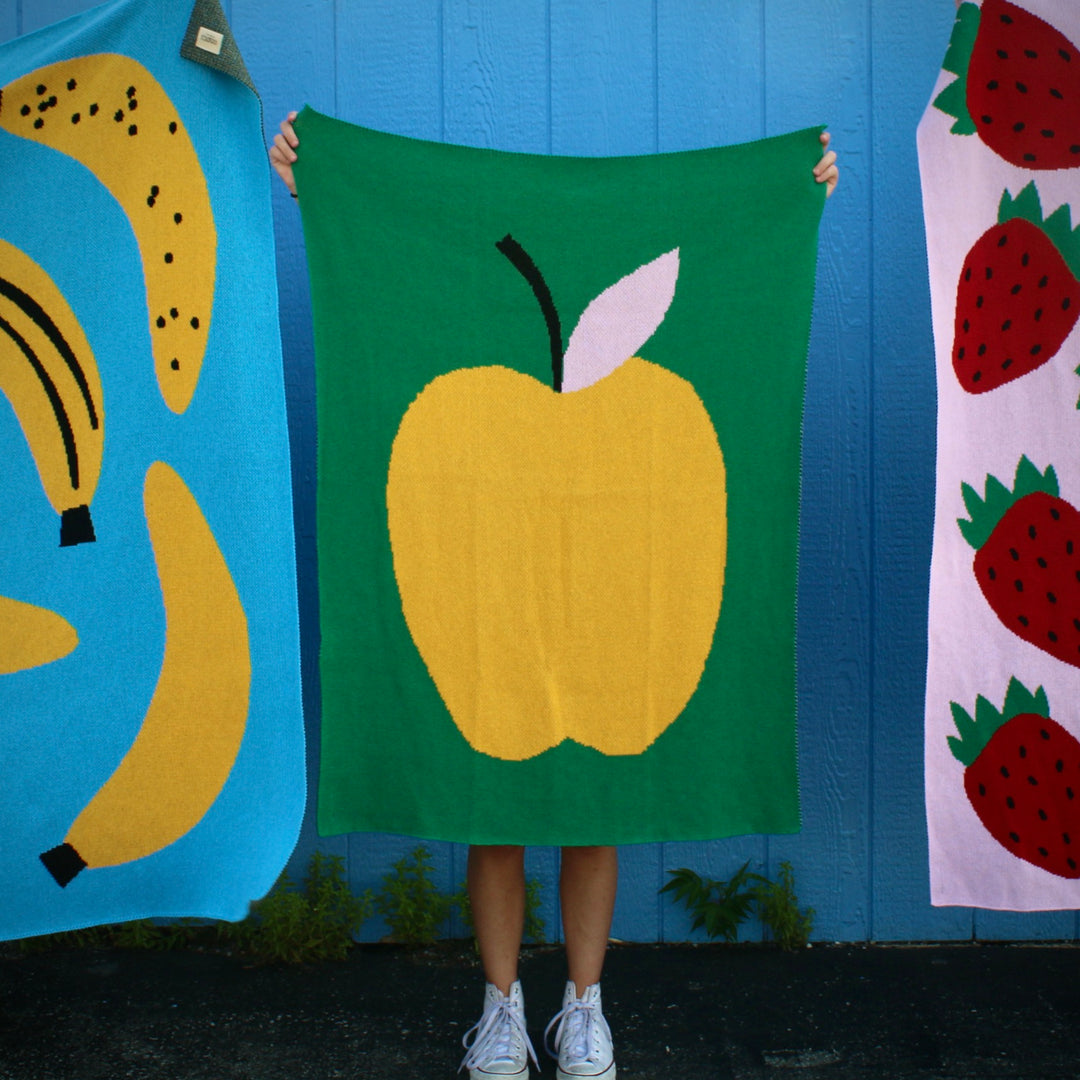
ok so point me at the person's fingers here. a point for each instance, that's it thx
(282, 150)
(288, 131)
(826, 163)
(826, 170)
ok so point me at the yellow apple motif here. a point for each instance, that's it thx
(560, 555)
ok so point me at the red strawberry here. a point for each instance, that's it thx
(1022, 777)
(1018, 297)
(1018, 85)
(1027, 558)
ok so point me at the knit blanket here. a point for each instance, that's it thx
(149, 677)
(999, 151)
(559, 407)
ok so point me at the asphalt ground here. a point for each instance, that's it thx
(708, 1012)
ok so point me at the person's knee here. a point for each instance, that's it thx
(496, 854)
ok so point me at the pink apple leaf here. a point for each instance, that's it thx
(619, 321)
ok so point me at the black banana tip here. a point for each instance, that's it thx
(76, 526)
(63, 862)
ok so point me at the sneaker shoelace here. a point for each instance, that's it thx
(494, 1037)
(575, 1034)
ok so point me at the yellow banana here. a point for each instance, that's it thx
(191, 734)
(108, 112)
(31, 635)
(48, 373)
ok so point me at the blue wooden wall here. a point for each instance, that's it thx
(636, 76)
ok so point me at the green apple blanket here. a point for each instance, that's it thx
(559, 406)
(152, 738)
(999, 150)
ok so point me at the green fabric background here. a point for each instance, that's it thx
(407, 284)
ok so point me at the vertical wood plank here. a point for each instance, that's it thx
(389, 65)
(905, 66)
(637, 904)
(709, 79)
(816, 71)
(603, 77)
(39, 13)
(496, 74)
(9, 20)
(542, 866)
(1027, 926)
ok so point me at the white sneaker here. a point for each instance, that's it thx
(582, 1037)
(501, 1046)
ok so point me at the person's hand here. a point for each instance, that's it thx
(826, 171)
(283, 152)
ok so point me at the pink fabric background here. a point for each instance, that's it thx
(970, 651)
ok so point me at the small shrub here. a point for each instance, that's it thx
(412, 906)
(779, 910)
(719, 907)
(136, 934)
(92, 937)
(317, 921)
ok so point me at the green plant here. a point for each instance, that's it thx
(91, 937)
(316, 921)
(534, 924)
(778, 907)
(136, 934)
(412, 906)
(295, 925)
(719, 907)
(148, 934)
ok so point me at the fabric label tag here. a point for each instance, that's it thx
(209, 40)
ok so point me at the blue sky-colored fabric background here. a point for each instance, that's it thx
(66, 725)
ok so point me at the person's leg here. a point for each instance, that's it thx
(587, 884)
(498, 1045)
(582, 1040)
(496, 881)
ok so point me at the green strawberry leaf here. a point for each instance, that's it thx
(1028, 480)
(953, 102)
(1019, 699)
(975, 733)
(973, 504)
(953, 98)
(986, 512)
(965, 725)
(1027, 206)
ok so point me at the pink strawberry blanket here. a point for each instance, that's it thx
(999, 151)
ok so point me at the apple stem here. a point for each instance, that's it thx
(525, 266)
